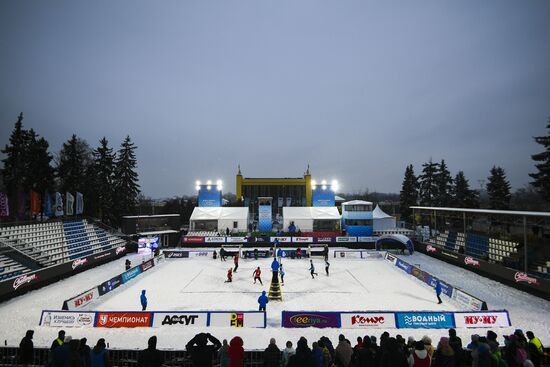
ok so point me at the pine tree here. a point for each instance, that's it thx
(126, 179)
(408, 194)
(444, 183)
(428, 188)
(101, 177)
(542, 177)
(14, 172)
(462, 195)
(38, 160)
(498, 189)
(75, 158)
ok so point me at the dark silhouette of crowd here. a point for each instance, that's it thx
(205, 350)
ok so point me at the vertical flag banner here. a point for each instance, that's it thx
(265, 222)
(280, 202)
(288, 201)
(35, 202)
(79, 203)
(70, 203)
(58, 205)
(47, 204)
(4, 207)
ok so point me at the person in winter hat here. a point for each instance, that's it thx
(366, 356)
(99, 356)
(151, 357)
(26, 348)
(287, 353)
(428, 345)
(303, 356)
(222, 354)
(456, 343)
(535, 349)
(201, 352)
(393, 356)
(262, 301)
(343, 352)
(327, 358)
(444, 356)
(317, 355)
(272, 354)
(419, 356)
(85, 352)
(236, 352)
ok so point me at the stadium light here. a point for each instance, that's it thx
(219, 185)
(208, 187)
(198, 183)
(324, 187)
(198, 188)
(334, 186)
(209, 182)
(324, 182)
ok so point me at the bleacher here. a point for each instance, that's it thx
(203, 233)
(57, 242)
(10, 268)
(476, 245)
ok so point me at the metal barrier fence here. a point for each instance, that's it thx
(172, 358)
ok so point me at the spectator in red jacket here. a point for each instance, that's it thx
(236, 352)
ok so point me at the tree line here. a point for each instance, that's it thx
(107, 179)
(435, 186)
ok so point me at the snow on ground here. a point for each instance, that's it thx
(198, 284)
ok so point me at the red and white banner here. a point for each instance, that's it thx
(67, 319)
(192, 239)
(123, 319)
(357, 320)
(302, 239)
(490, 319)
(82, 299)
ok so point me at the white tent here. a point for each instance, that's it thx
(220, 218)
(304, 217)
(381, 220)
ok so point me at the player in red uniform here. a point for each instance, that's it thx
(257, 274)
(229, 276)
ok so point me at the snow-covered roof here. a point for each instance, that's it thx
(357, 202)
(338, 198)
(324, 212)
(206, 213)
(378, 213)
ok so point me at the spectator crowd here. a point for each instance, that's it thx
(205, 350)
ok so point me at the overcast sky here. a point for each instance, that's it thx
(357, 89)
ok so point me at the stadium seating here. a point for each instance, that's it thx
(203, 233)
(56, 242)
(476, 245)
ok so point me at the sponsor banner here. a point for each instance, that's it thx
(367, 239)
(446, 289)
(346, 239)
(192, 239)
(123, 319)
(238, 319)
(83, 299)
(424, 320)
(371, 255)
(522, 277)
(261, 254)
(236, 239)
(261, 239)
(471, 261)
(79, 203)
(180, 319)
(130, 274)
(430, 248)
(109, 285)
(421, 275)
(214, 239)
(349, 254)
(147, 265)
(291, 319)
(324, 239)
(79, 262)
(200, 253)
(403, 266)
(367, 320)
(175, 254)
(482, 319)
(390, 258)
(302, 239)
(67, 319)
(280, 239)
(467, 300)
(24, 280)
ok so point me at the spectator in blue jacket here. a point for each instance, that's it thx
(262, 301)
(438, 291)
(143, 299)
